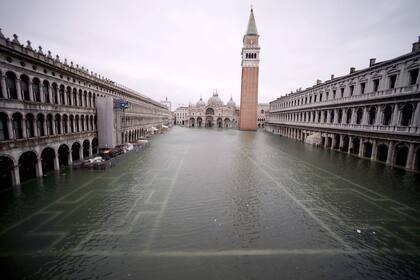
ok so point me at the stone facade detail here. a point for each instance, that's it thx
(48, 112)
(372, 113)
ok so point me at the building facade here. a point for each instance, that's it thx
(249, 81)
(372, 113)
(181, 115)
(48, 115)
(262, 114)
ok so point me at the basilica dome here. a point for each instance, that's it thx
(231, 103)
(200, 103)
(215, 100)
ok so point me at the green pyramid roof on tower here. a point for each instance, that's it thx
(252, 26)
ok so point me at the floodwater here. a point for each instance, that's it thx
(216, 204)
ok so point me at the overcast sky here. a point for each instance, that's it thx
(185, 49)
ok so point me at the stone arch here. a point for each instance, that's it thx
(356, 146)
(63, 155)
(6, 170)
(400, 154)
(47, 159)
(367, 147)
(75, 151)
(27, 165)
(382, 152)
(86, 147)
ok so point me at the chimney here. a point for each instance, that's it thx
(332, 76)
(372, 61)
(318, 82)
(352, 70)
(416, 46)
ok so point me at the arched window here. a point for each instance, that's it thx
(372, 115)
(11, 85)
(387, 115)
(24, 87)
(69, 95)
(65, 124)
(80, 98)
(29, 125)
(406, 114)
(36, 85)
(57, 123)
(359, 116)
(54, 93)
(75, 97)
(332, 115)
(349, 114)
(340, 115)
(77, 123)
(50, 130)
(71, 123)
(40, 125)
(17, 125)
(61, 93)
(45, 87)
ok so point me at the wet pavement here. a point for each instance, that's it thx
(216, 204)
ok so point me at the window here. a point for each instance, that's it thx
(351, 90)
(375, 85)
(327, 94)
(334, 93)
(362, 88)
(387, 115)
(406, 114)
(413, 76)
(320, 97)
(392, 81)
(314, 98)
(342, 92)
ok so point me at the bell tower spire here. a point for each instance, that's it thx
(250, 72)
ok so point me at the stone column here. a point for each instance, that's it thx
(34, 124)
(379, 116)
(344, 116)
(361, 148)
(395, 115)
(18, 90)
(390, 155)
(353, 116)
(44, 123)
(374, 149)
(81, 152)
(333, 142)
(416, 119)
(10, 128)
(365, 116)
(3, 86)
(70, 158)
(54, 132)
(340, 145)
(68, 124)
(31, 91)
(24, 128)
(410, 157)
(350, 144)
(39, 167)
(326, 141)
(56, 162)
(16, 175)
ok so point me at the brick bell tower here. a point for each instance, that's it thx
(249, 84)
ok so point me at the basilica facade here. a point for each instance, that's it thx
(214, 113)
